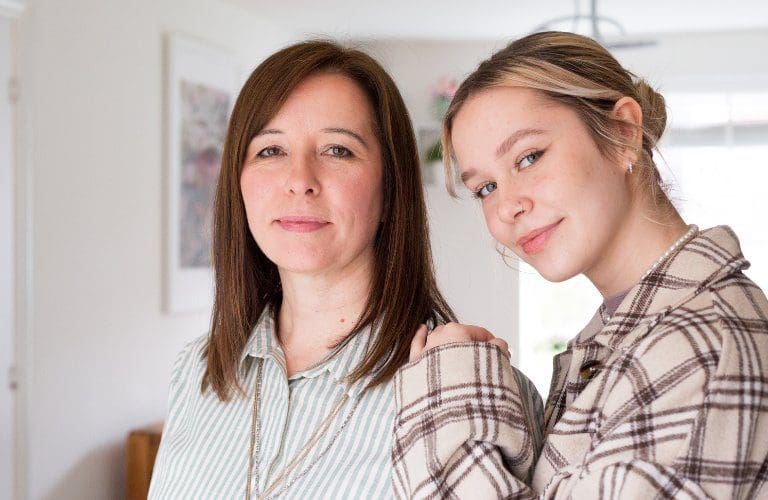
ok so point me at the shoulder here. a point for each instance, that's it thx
(190, 362)
(736, 297)
(731, 305)
(186, 376)
(718, 326)
(741, 309)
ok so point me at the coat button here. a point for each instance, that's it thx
(589, 369)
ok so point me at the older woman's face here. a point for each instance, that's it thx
(312, 179)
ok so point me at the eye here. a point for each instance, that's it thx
(269, 151)
(485, 190)
(528, 160)
(339, 151)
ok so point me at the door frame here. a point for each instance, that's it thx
(15, 264)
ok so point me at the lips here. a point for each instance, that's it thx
(301, 223)
(536, 240)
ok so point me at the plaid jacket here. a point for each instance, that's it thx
(668, 400)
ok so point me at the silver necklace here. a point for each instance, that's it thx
(254, 448)
(693, 229)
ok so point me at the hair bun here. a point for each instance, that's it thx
(654, 112)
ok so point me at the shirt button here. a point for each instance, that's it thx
(589, 369)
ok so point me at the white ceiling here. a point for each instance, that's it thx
(498, 19)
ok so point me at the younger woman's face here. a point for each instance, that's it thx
(547, 192)
(312, 179)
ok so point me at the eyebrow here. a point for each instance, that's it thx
(354, 135)
(268, 131)
(503, 148)
(466, 175)
(510, 141)
(332, 130)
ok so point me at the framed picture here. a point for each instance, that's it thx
(200, 89)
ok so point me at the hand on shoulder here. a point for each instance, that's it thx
(451, 333)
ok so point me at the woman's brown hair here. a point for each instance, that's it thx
(403, 292)
(580, 73)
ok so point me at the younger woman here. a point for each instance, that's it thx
(665, 392)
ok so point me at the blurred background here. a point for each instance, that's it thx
(88, 324)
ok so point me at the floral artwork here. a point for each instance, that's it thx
(201, 81)
(204, 114)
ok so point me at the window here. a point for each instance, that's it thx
(717, 165)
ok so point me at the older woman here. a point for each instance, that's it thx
(323, 273)
(664, 394)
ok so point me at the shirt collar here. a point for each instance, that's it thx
(262, 342)
(711, 255)
(339, 363)
(347, 357)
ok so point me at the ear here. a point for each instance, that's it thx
(629, 113)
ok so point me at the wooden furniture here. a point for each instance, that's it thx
(141, 449)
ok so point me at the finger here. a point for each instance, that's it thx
(482, 334)
(478, 333)
(501, 343)
(460, 332)
(418, 343)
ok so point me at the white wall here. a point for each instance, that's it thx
(99, 349)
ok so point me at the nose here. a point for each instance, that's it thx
(302, 177)
(513, 204)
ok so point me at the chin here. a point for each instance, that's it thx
(296, 260)
(298, 263)
(555, 273)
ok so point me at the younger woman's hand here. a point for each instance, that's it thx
(450, 333)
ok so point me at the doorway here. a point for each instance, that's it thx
(7, 265)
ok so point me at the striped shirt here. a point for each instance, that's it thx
(205, 444)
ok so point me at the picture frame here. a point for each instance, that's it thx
(200, 84)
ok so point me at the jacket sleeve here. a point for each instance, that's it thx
(468, 425)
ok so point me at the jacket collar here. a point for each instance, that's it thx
(710, 256)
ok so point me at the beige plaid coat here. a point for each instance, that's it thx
(667, 400)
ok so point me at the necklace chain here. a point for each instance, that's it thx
(693, 229)
(254, 447)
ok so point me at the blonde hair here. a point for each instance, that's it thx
(581, 74)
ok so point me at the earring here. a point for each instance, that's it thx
(630, 167)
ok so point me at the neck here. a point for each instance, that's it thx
(318, 311)
(633, 250)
